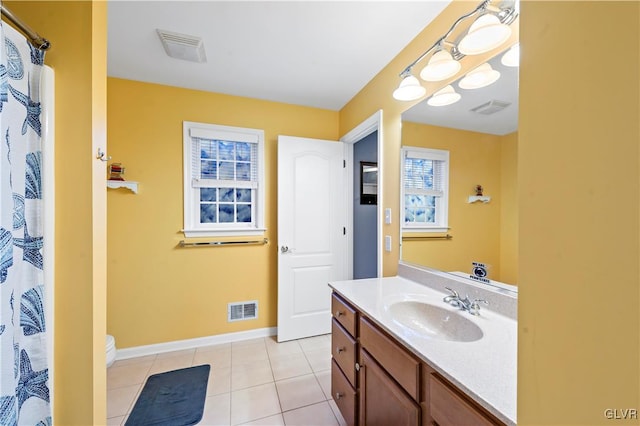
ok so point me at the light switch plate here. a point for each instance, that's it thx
(387, 216)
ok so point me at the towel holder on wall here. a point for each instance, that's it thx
(223, 243)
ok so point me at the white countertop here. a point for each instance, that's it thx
(485, 369)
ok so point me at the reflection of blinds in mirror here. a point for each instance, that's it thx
(423, 174)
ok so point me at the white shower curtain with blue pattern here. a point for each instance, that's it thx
(24, 369)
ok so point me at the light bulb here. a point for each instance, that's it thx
(440, 67)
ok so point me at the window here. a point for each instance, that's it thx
(223, 180)
(425, 189)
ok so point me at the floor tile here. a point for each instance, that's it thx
(286, 366)
(276, 420)
(120, 400)
(127, 375)
(315, 343)
(162, 365)
(129, 361)
(220, 358)
(319, 360)
(171, 354)
(285, 348)
(219, 381)
(254, 403)
(248, 354)
(217, 410)
(324, 378)
(248, 342)
(116, 421)
(299, 391)
(317, 415)
(252, 374)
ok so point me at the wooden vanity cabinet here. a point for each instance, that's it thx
(375, 380)
(344, 350)
(382, 400)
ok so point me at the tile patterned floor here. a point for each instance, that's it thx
(254, 382)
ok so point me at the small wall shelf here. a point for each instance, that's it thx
(474, 198)
(130, 185)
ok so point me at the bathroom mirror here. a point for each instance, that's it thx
(480, 133)
(368, 182)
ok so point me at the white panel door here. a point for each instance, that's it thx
(311, 240)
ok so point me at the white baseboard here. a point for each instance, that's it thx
(178, 345)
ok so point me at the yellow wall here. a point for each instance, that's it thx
(578, 212)
(475, 158)
(509, 209)
(77, 32)
(155, 288)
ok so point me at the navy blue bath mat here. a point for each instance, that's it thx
(174, 398)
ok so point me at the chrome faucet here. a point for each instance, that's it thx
(473, 307)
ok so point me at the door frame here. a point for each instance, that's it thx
(362, 130)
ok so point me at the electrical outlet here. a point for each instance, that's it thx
(387, 242)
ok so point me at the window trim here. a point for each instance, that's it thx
(192, 227)
(442, 208)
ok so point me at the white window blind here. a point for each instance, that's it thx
(224, 188)
(425, 189)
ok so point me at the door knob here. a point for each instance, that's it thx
(284, 249)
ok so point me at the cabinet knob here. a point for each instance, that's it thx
(340, 349)
(357, 367)
(339, 395)
(339, 313)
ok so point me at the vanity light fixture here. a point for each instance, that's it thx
(512, 57)
(488, 31)
(444, 96)
(479, 77)
(409, 89)
(485, 34)
(440, 67)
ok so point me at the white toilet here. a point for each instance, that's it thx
(111, 350)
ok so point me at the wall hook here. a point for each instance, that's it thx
(102, 155)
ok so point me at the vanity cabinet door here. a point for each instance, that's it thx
(449, 408)
(382, 401)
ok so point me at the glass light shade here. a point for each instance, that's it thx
(409, 89)
(512, 57)
(444, 96)
(482, 76)
(485, 34)
(440, 67)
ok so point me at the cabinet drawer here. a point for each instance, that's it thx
(401, 365)
(344, 313)
(343, 350)
(343, 394)
(449, 408)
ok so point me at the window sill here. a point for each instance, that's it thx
(195, 233)
(409, 232)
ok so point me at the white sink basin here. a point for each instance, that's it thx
(434, 321)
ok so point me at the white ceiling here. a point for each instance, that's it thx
(312, 53)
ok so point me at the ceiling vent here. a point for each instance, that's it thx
(182, 46)
(490, 107)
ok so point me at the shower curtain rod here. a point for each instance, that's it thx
(35, 39)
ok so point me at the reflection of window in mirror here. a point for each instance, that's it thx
(425, 190)
(368, 182)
